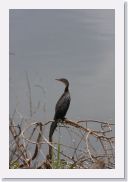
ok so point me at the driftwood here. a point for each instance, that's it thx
(20, 154)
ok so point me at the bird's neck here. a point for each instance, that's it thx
(66, 88)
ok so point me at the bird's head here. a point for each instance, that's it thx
(63, 80)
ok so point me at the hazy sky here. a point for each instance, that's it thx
(75, 44)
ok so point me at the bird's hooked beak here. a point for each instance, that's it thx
(60, 80)
(57, 79)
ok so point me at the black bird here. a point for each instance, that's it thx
(61, 107)
(63, 103)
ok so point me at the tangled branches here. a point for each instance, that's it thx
(80, 144)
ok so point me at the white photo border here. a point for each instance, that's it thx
(118, 172)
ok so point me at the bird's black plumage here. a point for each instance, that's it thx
(63, 103)
(61, 106)
(60, 111)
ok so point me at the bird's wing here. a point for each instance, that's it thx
(62, 105)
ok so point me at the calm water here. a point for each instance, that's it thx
(75, 44)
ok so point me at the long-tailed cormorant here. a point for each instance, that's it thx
(61, 106)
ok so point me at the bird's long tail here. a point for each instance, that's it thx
(52, 129)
